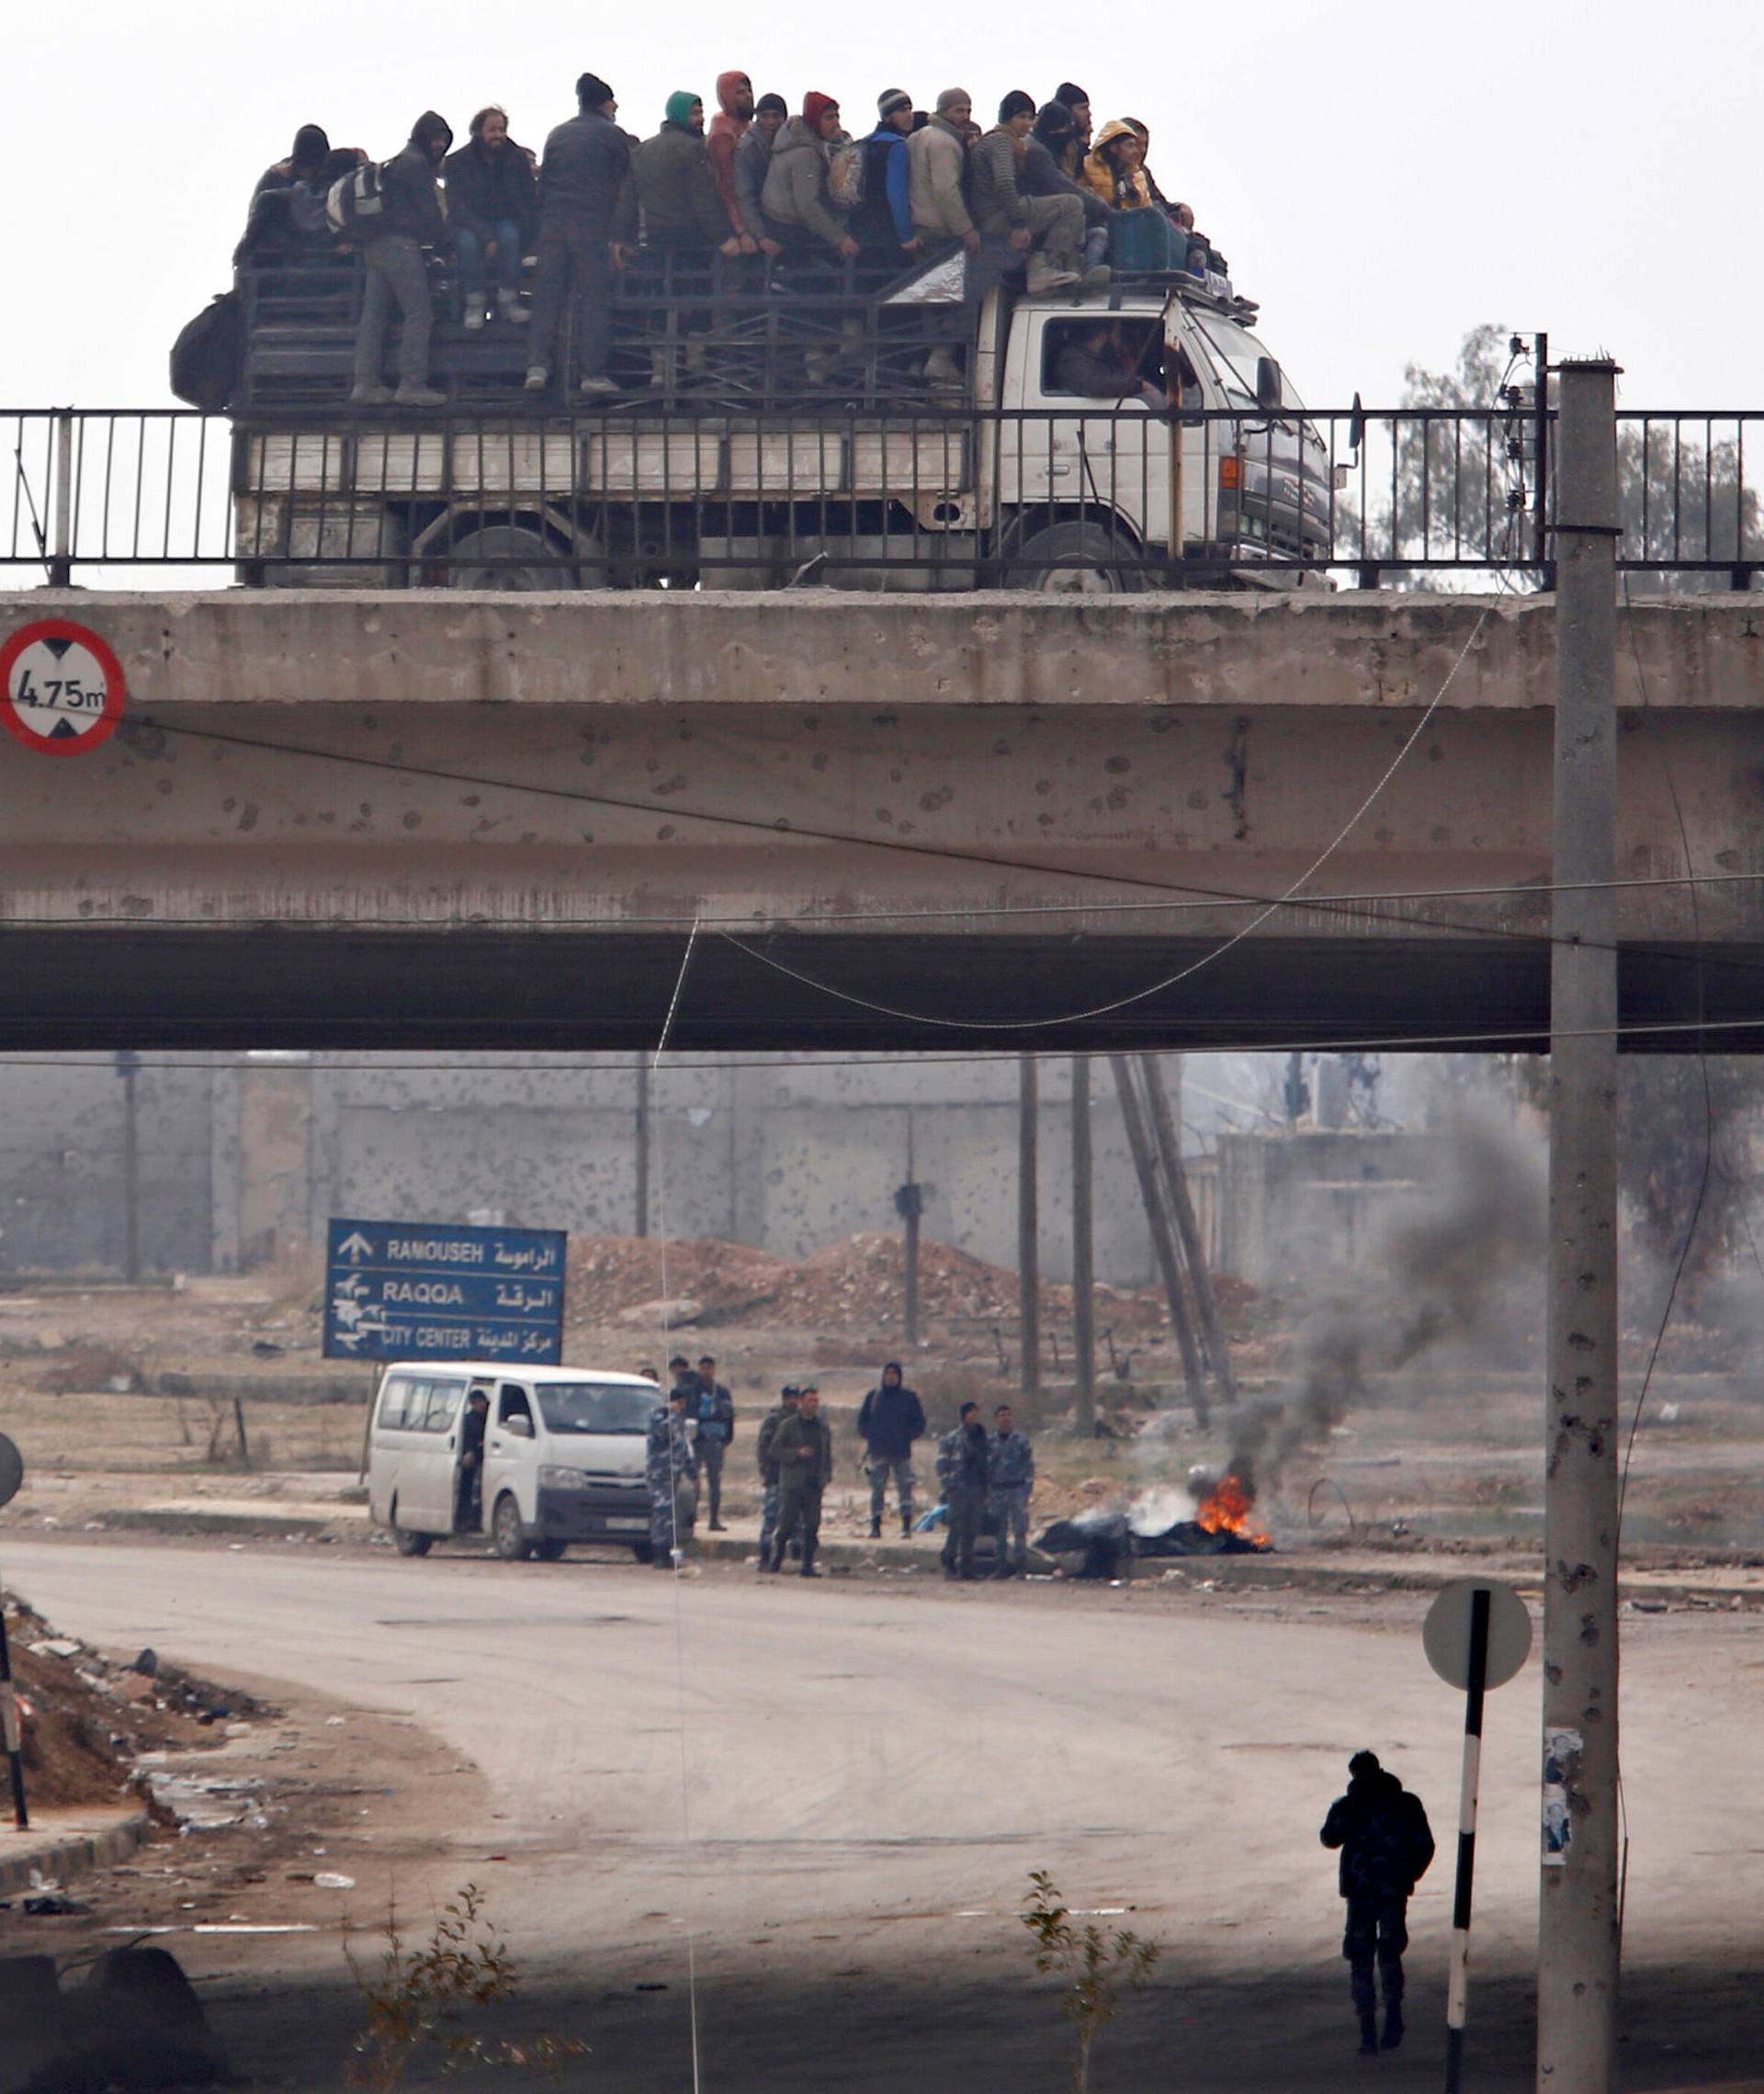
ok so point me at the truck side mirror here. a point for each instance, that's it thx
(1267, 382)
(519, 1428)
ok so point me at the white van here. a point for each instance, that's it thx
(564, 1452)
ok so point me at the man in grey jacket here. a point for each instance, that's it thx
(796, 200)
(1047, 230)
(587, 217)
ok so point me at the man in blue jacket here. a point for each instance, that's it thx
(888, 1421)
(882, 224)
(713, 1417)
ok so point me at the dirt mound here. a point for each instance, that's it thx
(609, 1274)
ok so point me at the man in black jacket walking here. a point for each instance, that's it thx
(587, 216)
(1386, 1846)
(888, 1421)
(391, 252)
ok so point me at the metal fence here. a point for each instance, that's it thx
(921, 497)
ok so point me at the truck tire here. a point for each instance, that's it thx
(1076, 559)
(508, 1530)
(549, 1552)
(513, 557)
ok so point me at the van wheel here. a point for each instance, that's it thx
(644, 1551)
(408, 1543)
(511, 557)
(508, 1530)
(549, 1552)
(1076, 559)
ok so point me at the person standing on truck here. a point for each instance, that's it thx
(889, 1419)
(713, 1418)
(883, 221)
(683, 213)
(753, 159)
(804, 1447)
(469, 1484)
(723, 139)
(767, 1453)
(391, 245)
(797, 199)
(586, 219)
(672, 1471)
(493, 201)
(1048, 232)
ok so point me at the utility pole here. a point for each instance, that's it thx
(1083, 1250)
(1168, 1127)
(1577, 1939)
(1163, 1242)
(1028, 1222)
(641, 1226)
(910, 1204)
(127, 1065)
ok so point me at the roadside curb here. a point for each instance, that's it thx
(55, 1859)
(182, 1520)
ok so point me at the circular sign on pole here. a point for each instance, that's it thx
(1445, 1635)
(12, 1470)
(61, 687)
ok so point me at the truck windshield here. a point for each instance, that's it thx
(1236, 353)
(596, 1407)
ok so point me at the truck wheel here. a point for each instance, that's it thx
(508, 1530)
(511, 557)
(1076, 559)
(549, 1552)
(408, 1543)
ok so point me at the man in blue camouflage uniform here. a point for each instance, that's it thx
(1011, 1480)
(961, 1469)
(713, 1417)
(672, 1471)
(768, 1460)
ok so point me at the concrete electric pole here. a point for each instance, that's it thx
(1578, 1941)
(1083, 1251)
(1029, 1219)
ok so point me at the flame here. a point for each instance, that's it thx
(1227, 1510)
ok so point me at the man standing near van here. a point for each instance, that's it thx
(767, 1456)
(713, 1417)
(888, 1421)
(804, 1447)
(469, 1487)
(673, 1473)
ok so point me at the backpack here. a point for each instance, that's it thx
(846, 174)
(206, 355)
(357, 200)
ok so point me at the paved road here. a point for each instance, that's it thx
(861, 1754)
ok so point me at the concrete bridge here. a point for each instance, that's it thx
(432, 819)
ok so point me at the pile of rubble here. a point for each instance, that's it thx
(859, 1284)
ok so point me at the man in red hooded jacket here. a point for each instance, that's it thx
(726, 131)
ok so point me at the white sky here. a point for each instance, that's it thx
(1383, 174)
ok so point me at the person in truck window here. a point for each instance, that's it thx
(797, 199)
(683, 212)
(752, 158)
(1106, 363)
(587, 217)
(391, 252)
(722, 141)
(492, 203)
(1042, 172)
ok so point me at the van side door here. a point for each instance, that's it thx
(511, 1452)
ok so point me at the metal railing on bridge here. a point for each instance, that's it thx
(918, 497)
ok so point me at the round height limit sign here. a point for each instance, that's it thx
(61, 688)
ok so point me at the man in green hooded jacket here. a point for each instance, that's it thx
(683, 211)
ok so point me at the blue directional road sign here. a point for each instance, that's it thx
(408, 1290)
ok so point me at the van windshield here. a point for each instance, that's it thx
(596, 1407)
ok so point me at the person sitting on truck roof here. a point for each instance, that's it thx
(493, 202)
(752, 158)
(1047, 231)
(391, 251)
(302, 165)
(1142, 236)
(587, 213)
(722, 141)
(683, 214)
(288, 225)
(937, 174)
(798, 200)
(1072, 97)
(883, 221)
(1106, 361)
(1043, 174)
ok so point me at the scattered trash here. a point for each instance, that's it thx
(52, 1904)
(653, 1985)
(54, 1646)
(335, 1723)
(330, 1880)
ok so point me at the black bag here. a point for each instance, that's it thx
(206, 355)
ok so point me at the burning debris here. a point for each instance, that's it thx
(1107, 1541)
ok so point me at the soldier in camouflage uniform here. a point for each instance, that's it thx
(962, 1467)
(1010, 1478)
(672, 1470)
(768, 1460)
